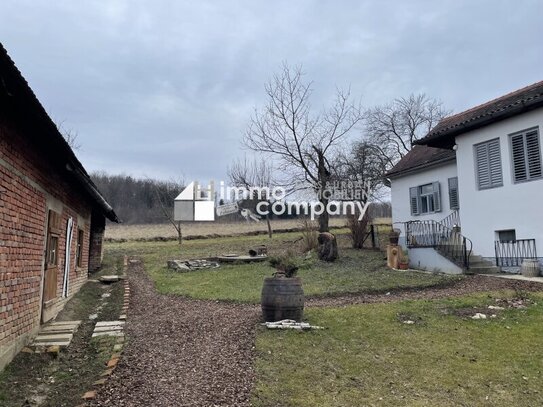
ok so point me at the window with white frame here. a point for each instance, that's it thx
(488, 164)
(454, 202)
(526, 155)
(425, 199)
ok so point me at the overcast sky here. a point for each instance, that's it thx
(166, 88)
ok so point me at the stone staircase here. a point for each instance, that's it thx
(478, 265)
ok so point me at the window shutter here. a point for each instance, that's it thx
(495, 163)
(453, 193)
(481, 162)
(526, 156)
(534, 154)
(488, 164)
(414, 201)
(519, 160)
(437, 197)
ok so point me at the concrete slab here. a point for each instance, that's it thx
(108, 333)
(56, 330)
(65, 323)
(53, 337)
(109, 323)
(53, 343)
(108, 328)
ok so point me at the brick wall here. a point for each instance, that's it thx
(29, 186)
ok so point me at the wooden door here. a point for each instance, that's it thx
(51, 257)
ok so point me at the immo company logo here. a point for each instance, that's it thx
(197, 204)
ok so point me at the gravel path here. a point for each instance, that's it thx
(467, 285)
(182, 352)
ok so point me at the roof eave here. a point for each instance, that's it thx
(419, 168)
(445, 138)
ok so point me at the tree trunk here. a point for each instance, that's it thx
(324, 218)
(324, 177)
(179, 233)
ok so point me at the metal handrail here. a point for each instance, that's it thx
(452, 220)
(449, 242)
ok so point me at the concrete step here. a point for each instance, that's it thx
(484, 269)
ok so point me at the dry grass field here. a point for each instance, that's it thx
(191, 229)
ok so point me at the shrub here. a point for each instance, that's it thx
(358, 229)
(310, 235)
(286, 264)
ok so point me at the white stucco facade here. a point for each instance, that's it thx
(517, 206)
(401, 209)
(483, 212)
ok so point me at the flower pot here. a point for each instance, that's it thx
(282, 298)
(403, 266)
(393, 237)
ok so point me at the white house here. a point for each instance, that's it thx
(469, 195)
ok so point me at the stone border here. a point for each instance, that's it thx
(111, 364)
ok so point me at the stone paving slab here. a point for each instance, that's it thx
(108, 328)
(53, 337)
(109, 323)
(108, 333)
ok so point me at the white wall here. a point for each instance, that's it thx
(512, 206)
(426, 258)
(401, 209)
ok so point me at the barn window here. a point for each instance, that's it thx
(79, 252)
(52, 251)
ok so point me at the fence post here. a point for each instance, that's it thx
(372, 231)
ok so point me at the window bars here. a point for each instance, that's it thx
(512, 253)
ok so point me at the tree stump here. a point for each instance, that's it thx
(327, 247)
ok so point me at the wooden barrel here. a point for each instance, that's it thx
(282, 298)
(530, 268)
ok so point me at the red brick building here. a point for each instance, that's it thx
(52, 217)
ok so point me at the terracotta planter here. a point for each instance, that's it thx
(404, 266)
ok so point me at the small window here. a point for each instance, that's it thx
(52, 251)
(488, 164)
(509, 235)
(526, 156)
(454, 202)
(425, 199)
(79, 252)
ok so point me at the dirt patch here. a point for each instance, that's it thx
(182, 352)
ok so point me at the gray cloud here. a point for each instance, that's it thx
(166, 88)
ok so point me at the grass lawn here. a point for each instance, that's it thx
(356, 271)
(368, 356)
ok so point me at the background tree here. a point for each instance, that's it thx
(303, 141)
(393, 128)
(138, 201)
(256, 173)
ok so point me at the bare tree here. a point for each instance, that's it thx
(364, 163)
(394, 127)
(70, 136)
(255, 173)
(165, 200)
(303, 141)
